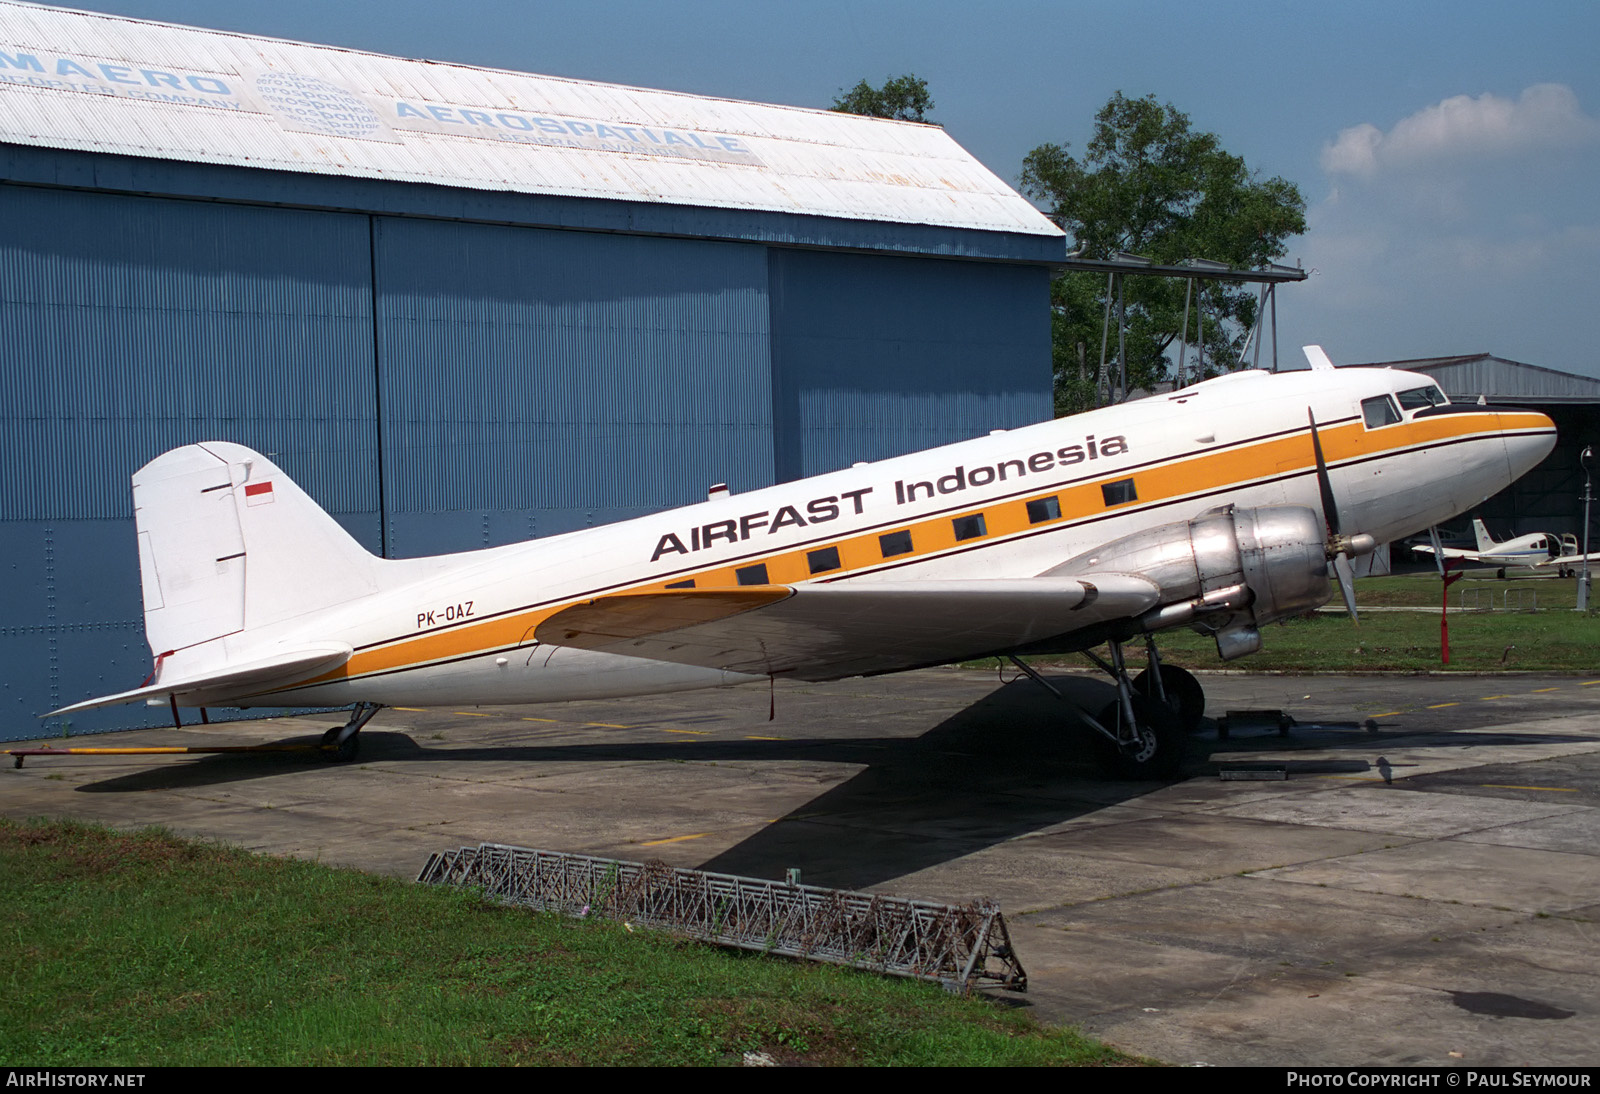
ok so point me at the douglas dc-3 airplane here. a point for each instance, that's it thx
(1218, 507)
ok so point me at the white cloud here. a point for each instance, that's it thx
(1544, 117)
(1469, 225)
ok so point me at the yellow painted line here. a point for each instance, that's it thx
(413, 710)
(753, 737)
(1536, 691)
(695, 732)
(1388, 714)
(1588, 683)
(1509, 786)
(674, 839)
(471, 714)
(1497, 697)
(1441, 706)
(558, 721)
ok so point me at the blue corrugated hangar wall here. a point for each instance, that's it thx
(440, 384)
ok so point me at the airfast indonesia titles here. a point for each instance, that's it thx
(830, 507)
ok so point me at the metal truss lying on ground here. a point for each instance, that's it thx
(959, 946)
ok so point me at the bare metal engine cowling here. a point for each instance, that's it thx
(1226, 572)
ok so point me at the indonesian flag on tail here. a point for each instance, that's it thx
(258, 493)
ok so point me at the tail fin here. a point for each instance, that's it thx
(1486, 542)
(228, 542)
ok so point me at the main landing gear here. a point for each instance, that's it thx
(1143, 733)
(340, 744)
(1176, 688)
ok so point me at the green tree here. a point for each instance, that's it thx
(1151, 186)
(904, 98)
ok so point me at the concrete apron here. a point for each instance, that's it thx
(1425, 892)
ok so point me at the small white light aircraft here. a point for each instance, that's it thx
(1217, 507)
(1534, 549)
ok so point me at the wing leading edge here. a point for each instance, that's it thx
(825, 632)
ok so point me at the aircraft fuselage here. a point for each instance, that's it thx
(1009, 505)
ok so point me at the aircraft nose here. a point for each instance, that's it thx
(1530, 437)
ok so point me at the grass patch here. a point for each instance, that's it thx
(143, 949)
(1408, 642)
(1553, 639)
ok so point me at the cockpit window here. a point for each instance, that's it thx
(1379, 411)
(1418, 397)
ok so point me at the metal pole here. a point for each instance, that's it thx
(1105, 335)
(1585, 458)
(1274, 329)
(1183, 339)
(1253, 340)
(1122, 339)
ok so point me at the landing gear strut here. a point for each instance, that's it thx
(1176, 688)
(340, 744)
(1136, 737)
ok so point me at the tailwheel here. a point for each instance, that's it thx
(343, 743)
(337, 751)
(1153, 749)
(1184, 695)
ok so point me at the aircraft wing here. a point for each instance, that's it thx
(829, 631)
(1452, 552)
(1566, 561)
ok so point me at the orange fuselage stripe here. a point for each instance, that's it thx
(1191, 473)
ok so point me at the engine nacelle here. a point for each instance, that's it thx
(1226, 572)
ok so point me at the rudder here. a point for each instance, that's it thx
(228, 543)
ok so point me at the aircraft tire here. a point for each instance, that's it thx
(346, 751)
(1162, 742)
(1184, 694)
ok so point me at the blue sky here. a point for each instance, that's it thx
(1449, 153)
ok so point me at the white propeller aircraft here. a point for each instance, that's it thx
(1534, 549)
(1217, 507)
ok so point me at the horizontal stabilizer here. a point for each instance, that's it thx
(825, 632)
(231, 681)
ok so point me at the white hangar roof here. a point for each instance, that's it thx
(104, 83)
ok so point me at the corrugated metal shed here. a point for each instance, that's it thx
(601, 301)
(102, 83)
(1500, 379)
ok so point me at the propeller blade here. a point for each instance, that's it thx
(1347, 584)
(1330, 508)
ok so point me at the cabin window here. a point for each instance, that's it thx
(1379, 411)
(1120, 492)
(968, 527)
(752, 575)
(682, 584)
(823, 560)
(1044, 509)
(895, 543)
